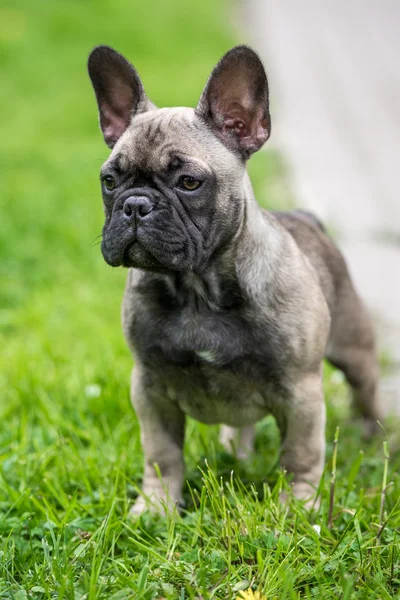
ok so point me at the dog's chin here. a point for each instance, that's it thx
(137, 257)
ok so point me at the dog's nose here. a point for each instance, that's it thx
(137, 205)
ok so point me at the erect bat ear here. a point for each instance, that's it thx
(235, 101)
(119, 91)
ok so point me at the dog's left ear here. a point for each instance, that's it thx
(235, 101)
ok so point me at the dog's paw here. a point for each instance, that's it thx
(304, 492)
(140, 507)
(155, 506)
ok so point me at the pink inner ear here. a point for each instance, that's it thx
(236, 125)
(112, 124)
(250, 128)
(235, 118)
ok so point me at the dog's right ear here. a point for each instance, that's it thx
(119, 91)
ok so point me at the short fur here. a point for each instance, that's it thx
(228, 309)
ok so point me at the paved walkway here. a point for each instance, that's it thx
(334, 70)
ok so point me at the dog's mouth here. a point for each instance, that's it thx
(122, 248)
(156, 246)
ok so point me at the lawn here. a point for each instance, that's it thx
(70, 457)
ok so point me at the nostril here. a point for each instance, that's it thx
(144, 209)
(141, 205)
(127, 209)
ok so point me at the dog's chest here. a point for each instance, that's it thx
(219, 366)
(217, 339)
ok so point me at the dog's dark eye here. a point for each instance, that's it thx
(109, 182)
(189, 183)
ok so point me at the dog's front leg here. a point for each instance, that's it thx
(302, 424)
(162, 426)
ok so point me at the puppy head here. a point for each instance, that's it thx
(173, 184)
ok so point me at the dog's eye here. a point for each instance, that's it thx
(109, 182)
(189, 183)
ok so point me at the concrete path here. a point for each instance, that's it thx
(334, 70)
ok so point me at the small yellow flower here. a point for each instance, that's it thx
(250, 595)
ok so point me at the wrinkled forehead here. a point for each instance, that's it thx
(157, 137)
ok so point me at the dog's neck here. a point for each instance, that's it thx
(209, 290)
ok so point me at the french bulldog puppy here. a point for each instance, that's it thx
(229, 310)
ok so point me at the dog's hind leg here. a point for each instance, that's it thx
(239, 441)
(351, 348)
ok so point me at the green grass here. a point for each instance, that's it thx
(70, 457)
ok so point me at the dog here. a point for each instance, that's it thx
(229, 310)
